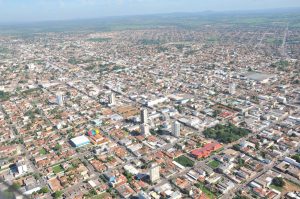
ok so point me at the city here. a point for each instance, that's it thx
(208, 111)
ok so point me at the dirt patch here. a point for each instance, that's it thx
(290, 187)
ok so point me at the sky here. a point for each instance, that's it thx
(41, 10)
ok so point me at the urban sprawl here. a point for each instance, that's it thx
(153, 113)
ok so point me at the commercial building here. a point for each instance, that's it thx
(144, 116)
(112, 99)
(145, 130)
(154, 172)
(59, 99)
(80, 141)
(231, 89)
(176, 129)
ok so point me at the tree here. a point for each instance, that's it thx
(57, 194)
(241, 162)
(37, 176)
(57, 147)
(15, 186)
(296, 157)
(240, 197)
(43, 190)
(278, 181)
(4, 95)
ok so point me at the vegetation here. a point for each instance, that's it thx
(43, 151)
(214, 164)
(281, 65)
(57, 147)
(91, 193)
(57, 194)
(240, 197)
(276, 187)
(226, 133)
(296, 157)
(184, 161)
(4, 95)
(129, 176)
(73, 61)
(57, 169)
(149, 42)
(99, 39)
(43, 190)
(15, 186)
(278, 182)
(205, 190)
(241, 162)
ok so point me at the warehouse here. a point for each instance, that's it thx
(80, 141)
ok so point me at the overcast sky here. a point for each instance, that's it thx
(39, 10)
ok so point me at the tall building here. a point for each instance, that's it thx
(60, 99)
(112, 99)
(144, 116)
(176, 129)
(154, 172)
(232, 88)
(145, 130)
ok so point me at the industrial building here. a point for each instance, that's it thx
(80, 141)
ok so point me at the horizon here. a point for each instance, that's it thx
(204, 13)
(28, 11)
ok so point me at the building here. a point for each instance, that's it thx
(112, 99)
(59, 99)
(231, 89)
(145, 130)
(21, 167)
(144, 116)
(80, 141)
(143, 195)
(154, 172)
(176, 129)
(206, 150)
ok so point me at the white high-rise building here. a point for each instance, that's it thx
(231, 89)
(144, 116)
(112, 99)
(60, 99)
(154, 172)
(145, 130)
(176, 129)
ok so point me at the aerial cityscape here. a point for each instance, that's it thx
(197, 105)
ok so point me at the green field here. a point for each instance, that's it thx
(214, 164)
(276, 187)
(57, 169)
(184, 161)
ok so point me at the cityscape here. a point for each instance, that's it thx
(167, 106)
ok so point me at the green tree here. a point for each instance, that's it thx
(15, 186)
(57, 147)
(278, 181)
(296, 157)
(57, 194)
(43, 190)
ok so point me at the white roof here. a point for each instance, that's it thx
(80, 140)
